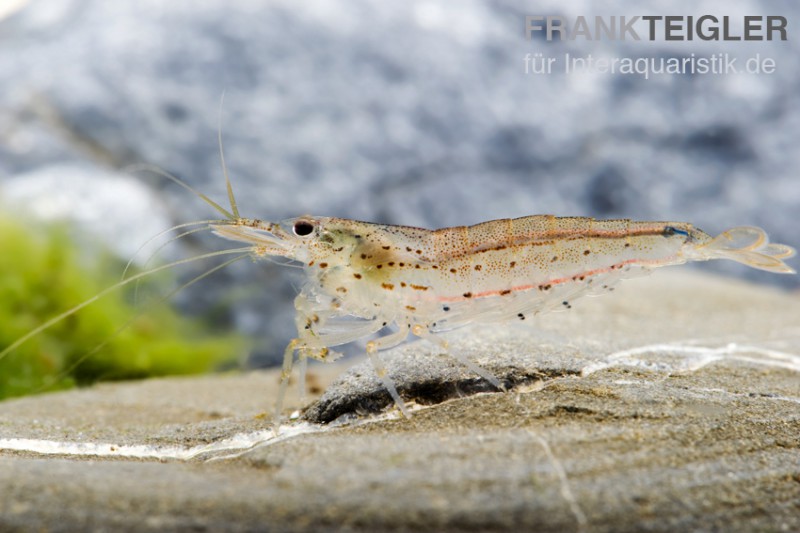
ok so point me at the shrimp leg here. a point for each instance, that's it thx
(420, 331)
(383, 343)
(308, 345)
(312, 341)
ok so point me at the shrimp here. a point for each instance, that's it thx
(363, 278)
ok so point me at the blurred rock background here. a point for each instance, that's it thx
(415, 112)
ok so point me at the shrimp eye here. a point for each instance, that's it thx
(303, 228)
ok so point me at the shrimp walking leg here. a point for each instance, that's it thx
(372, 351)
(310, 343)
(421, 332)
(286, 373)
(302, 370)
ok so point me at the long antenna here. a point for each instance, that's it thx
(231, 197)
(16, 344)
(138, 314)
(155, 170)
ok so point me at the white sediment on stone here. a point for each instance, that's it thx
(236, 443)
(694, 357)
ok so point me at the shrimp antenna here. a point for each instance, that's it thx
(146, 264)
(143, 167)
(139, 313)
(16, 344)
(161, 234)
(231, 197)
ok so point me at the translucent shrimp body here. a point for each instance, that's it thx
(364, 277)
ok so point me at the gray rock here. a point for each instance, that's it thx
(675, 407)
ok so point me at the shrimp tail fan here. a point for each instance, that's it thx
(747, 245)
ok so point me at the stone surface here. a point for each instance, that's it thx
(673, 404)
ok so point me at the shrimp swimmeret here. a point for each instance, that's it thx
(364, 277)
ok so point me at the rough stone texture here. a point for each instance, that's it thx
(409, 112)
(681, 436)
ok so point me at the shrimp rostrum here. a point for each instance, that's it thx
(365, 278)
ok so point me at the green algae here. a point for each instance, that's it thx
(42, 274)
